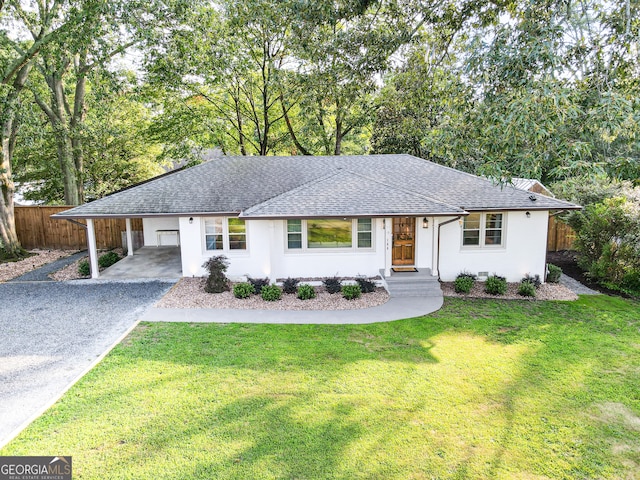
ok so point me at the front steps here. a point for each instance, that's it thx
(413, 284)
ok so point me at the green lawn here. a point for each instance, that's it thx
(481, 389)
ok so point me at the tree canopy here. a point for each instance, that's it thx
(98, 95)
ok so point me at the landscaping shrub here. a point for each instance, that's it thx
(631, 283)
(553, 273)
(463, 284)
(351, 292)
(290, 285)
(332, 284)
(108, 259)
(533, 280)
(242, 290)
(366, 285)
(217, 281)
(83, 268)
(258, 284)
(496, 285)
(465, 274)
(271, 293)
(527, 289)
(306, 292)
(607, 229)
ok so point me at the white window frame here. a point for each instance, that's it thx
(225, 236)
(483, 228)
(354, 238)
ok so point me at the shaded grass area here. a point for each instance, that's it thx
(481, 389)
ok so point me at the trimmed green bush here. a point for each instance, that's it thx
(463, 284)
(351, 292)
(83, 268)
(496, 285)
(290, 285)
(553, 273)
(306, 292)
(332, 285)
(271, 293)
(217, 281)
(242, 290)
(527, 289)
(108, 259)
(366, 285)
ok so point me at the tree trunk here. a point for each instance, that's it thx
(77, 119)
(8, 236)
(339, 135)
(292, 133)
(67, 165)
(236, 100)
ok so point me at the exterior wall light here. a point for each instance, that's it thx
(528, 214)
(425, 222)
(190, 219)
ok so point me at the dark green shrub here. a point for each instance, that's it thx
(108, 259)
(271, 293)
(217, 281)
(351, 292)
(332, 285)
(242, 290)
(290, 285)
(463, 284)
(465, 274)
(533, 280)
(306, 292)
(366, 285)
(83, 268)
(527, 289)
(631, 283)
(496, 285)
(258, 284)
(553, 273)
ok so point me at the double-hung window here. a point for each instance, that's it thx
(330, 233)
(225, 233)
(483, 230)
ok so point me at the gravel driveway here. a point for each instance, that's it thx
(52, 332)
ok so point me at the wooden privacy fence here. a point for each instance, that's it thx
(560, 236)
(36, 229)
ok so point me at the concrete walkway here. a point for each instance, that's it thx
(394, 309)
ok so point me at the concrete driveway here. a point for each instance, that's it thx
(52, 332)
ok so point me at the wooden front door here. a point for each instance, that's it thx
(404, 247)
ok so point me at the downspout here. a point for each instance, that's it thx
(440, 225)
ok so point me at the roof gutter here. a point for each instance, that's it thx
(439, 227)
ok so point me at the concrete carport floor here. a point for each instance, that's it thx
(147, 262)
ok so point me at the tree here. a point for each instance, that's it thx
(31, 30)
(117, 149)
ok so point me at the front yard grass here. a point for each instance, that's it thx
(480, 389)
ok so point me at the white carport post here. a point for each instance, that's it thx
(129, 237)
(93, 251)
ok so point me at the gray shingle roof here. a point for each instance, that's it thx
(314, 186)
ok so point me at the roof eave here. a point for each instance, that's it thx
(95, 216)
